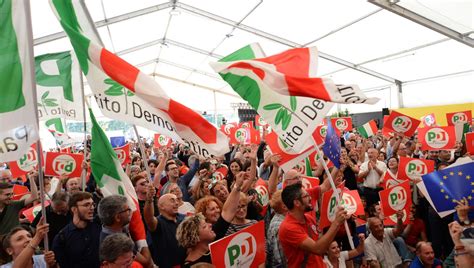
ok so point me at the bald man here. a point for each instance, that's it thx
(425, 257)
(166, 252)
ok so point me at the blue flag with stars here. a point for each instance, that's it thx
(332, 145)
(449, 185)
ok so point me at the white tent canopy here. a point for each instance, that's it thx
(359, 43)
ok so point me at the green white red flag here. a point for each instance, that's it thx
(18, 124)
(293, 73)
(292, 118)
(124, 93)
(112, 180)
(437, 138)
(369, 129)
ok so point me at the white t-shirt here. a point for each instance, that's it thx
(38, 262)
(342, 260)
(383, 251)
(373, 178)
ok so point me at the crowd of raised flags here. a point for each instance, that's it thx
(295, 140)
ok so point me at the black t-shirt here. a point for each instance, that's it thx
(350, 177)
(56, 222)
(166, 251)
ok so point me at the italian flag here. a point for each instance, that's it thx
(95, 61)
(18, 125)
(112, 180)
(293, 73)
(283, 113)
(369, 129)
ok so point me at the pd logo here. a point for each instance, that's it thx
(261, 122)
(64, 164)
(241, 134)
(306, 183)
(397, 198)
(121, 155)
(241, 250)
(437, 138)
(415, 169)
(323, 131)
(228, 128)
(341, 124)
(332, 206)
(262, 194)
(401, 123)
(163, 140)
(349, 203)
(459, 118)
(28, 161)
(245, 125)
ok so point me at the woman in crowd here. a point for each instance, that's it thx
(234, 168)
(200, 189)
(20, 246)
(336, 258)
(240, 220)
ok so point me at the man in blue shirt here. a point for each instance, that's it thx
(77, 244)
(425, 257)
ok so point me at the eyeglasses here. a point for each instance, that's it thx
(242, 207)
(87, 205)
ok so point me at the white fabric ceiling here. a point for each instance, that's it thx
(175, 41)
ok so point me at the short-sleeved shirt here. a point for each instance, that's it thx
(167, 252)
(413, 236)
(382, 251)
(11, 216)
(78, 247)
(373, 178)
(416, 263)
(38, 262)
(292, 234)
(343, 257)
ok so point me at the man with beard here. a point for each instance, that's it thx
(298, 233)
(115, 215)
(77, 244)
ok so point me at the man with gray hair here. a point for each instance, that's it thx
(115, 215)
(116, 251)
(5, 176)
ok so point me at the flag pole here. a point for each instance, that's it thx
(84, 171)
(142, 149)
(333, 186)
(39, 151)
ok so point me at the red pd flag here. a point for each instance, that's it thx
(123, 154)
(459, 118)
(58, 164)
(470, 143)
(28, 162)
(392, 219)
(245, 248)
(31, 213)
(319, 135)
(342, 123)
(401, 123)
(389, 180)
(161, 141)
(414, 168)
(220, 173)
(227, 128)
(395, 199)
(437, 138)
(263, 195)
(19, 191)
(309, 182)
(329, 205)
(260, 122)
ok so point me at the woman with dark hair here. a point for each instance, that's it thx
(234, 168)
(137, 160)
(20, 247)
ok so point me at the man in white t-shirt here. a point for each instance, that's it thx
(371, 171)
(378, 247)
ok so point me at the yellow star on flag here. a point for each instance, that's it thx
(441, 183)
(442, 190)
(445, 177)
(446, 196)
(468, 177)
(451, 173)
(469, 197)
(460, 173)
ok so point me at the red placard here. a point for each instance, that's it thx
(414, 168)
(263, 196)
(245, 248)
(31, 213)
(350, 201)
(161, 141)
(437, 138)
(459, 118)
(470, 143)
(220, 173)
(392, 219)
(395, 199)
(28, 162)
(58, 164)
(385, 131)
(309, 182)
(248, 124)
(244, 135)
(401, 123)
(342, 123)
(320, 134)
(227, 128)
(123, 154)
(428, 120)
(389, 181)
(19, 191)
(260, 122)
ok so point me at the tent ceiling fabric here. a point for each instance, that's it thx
(360, 43)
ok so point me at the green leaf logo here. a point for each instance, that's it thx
(116, 89)
(48, 102)
(284, 113)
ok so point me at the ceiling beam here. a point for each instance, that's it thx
(391, 6)
(211, 16)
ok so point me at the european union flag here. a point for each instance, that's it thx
(449, 185)
(332, 146)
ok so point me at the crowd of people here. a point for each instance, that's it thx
(184, 207)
